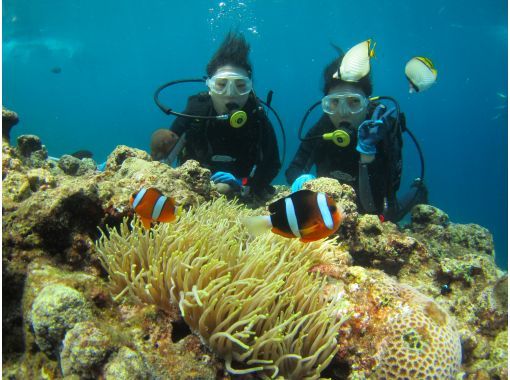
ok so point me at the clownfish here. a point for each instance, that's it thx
(305, 214)
(420, 73)
(152, 206)
(356, 62)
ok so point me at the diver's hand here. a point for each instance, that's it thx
(300, 181)
(162, 143)
(227, 178)
(369, 134)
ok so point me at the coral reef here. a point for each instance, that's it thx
(404, 333)
(93, 344)
(235, 304)
(56, 309)
(463, 278)
(84, 350)
(9, 120)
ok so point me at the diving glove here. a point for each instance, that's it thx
(370, 132)
(300, 181)
(227, 178)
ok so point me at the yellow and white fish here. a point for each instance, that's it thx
(356, 62)
(420, 73)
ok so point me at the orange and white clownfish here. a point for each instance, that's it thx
(152, 206)
(305, 214)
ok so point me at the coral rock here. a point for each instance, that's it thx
(424, 215)
(126, 364)
(69, 164)
(55, 310)
(121, 153)
(9, 120)
(16, 187)
(382, 245)
(28, 144)
(85, 348)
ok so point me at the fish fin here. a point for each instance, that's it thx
(305, 240)
(146, 222)
(277, 231)
(257, 225)
(339, 50)
(310, 230)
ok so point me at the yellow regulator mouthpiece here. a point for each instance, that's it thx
(238, 119)
(339, 137)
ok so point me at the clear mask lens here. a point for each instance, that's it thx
(344, 103)
(231, 85)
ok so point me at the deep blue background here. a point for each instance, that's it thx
(114, 54)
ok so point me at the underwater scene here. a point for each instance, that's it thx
(254, 189)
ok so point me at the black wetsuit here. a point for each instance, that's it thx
(253, 148)
(343, 164)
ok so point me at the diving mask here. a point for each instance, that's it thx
(230, 84)
(344, 103)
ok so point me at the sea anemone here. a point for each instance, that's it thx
(254, 302)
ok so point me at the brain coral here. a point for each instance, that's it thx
(420, 344)
(254, 302)
(408, 335)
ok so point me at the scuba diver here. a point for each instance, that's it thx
(225, 129)
(358, 140)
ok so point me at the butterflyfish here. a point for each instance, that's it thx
(152, 206)
(420, 73)
(356, 62)
(305, 214)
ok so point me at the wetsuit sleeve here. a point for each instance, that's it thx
(304, 158)
(269, 165)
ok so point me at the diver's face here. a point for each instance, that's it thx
(229, 88)
(351, 108)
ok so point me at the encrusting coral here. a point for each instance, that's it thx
(252, 301)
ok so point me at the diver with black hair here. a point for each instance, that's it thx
(225, 129)
(358, 139)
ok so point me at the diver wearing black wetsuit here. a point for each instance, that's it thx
(342, 163)
(249, 152)
(225, 129)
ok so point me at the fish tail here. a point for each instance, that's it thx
(372, 51)
(257, 225)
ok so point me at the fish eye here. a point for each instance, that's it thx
(332, 208)
(134, 194)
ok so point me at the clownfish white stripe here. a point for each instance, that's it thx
(139, 197)
(323, 207)
(158, 207)
(291, 217)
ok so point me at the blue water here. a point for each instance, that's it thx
(113, 55)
